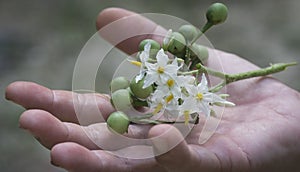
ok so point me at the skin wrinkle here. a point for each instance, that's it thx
(219, 160)
(195, 148)
(214, 145)
(100, 158)
(139, 164)
(263, 142)
(127, 164)
(53, 100)
(68, 132)
(243, 153)
(276, 108)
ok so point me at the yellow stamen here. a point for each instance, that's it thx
(169, 98)
(199, 96)
(170, 83)
(139, 64)
(158, 108)
(186, 114)
(160, 70)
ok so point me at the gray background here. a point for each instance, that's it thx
(41, 39)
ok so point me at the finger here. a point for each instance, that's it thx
(74, 157)
(116, 24)
(138, 25)
(174, 154)
(65, 105)
(50, 131)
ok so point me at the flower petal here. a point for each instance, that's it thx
(162, 58)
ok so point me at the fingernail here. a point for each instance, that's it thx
(37, 138)
(53, 163)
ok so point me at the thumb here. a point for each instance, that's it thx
(174, 154)
(170, 149)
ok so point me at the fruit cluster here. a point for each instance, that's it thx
(158, 85)
(171, 85)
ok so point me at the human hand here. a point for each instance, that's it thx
(261, 133)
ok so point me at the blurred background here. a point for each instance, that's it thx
(41, 39)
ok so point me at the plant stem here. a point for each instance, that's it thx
(203, 69)
(229, 78)
(202, 31)
(155, 122)
(145, 119)
(274, 68)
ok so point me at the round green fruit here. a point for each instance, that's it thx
(118, 83)
(200, 52)
(118, 122)
(154, 44)
(121, 99)
(216, 13)
(138, 90)
(189, 32)
(177, 43)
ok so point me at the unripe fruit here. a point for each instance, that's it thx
(118, 83)
(154, 44)
(189, 32)
(118, 122)
(177, 43)
(121, 99)
(200, 52)
(216, 13)
(138, 90)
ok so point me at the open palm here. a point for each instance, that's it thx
(261, 133)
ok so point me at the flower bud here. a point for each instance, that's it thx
(118, 83)
(138, 90)
(200, 52)
(154, 44)
(121, 99)
(216, 13)
(118, 122)
(177, 43)
(189, 32)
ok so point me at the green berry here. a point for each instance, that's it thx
(118, 83)
(138, 90)
(216, 13)
(200, 52)
(177, 43)
(121, 99)
(189, 32)
(118, 122)
(154, 44)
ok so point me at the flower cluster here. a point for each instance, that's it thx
(179, 94)
(172, 78)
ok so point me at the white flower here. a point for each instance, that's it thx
(160, 71)
(165, 97)
(171, 85)
(167, 39)
(144, 56)
(200, 96)
(186, 80)
(157, 102)
(187, 108)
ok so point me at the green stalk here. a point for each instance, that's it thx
(207, 26)
(203, 69)
(229, 78)
(274, 68)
